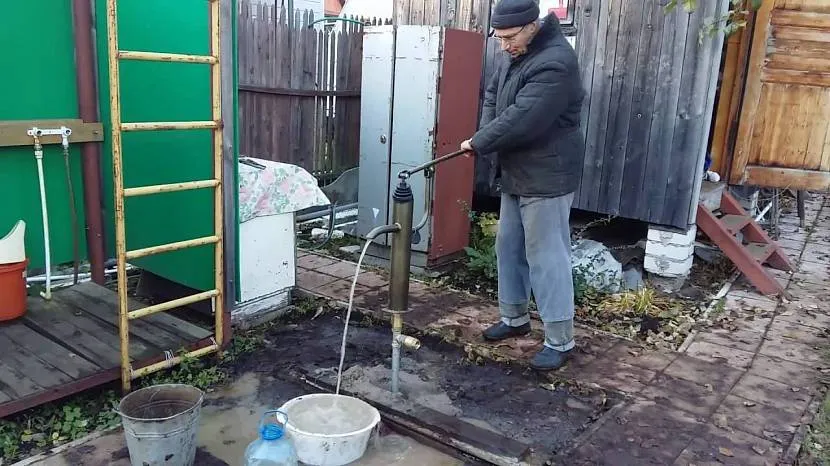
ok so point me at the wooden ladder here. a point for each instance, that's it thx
(749, 252)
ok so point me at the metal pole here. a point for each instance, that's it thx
(90, 151)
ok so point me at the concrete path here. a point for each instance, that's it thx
(739, 392)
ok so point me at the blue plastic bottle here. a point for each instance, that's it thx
(272, 448)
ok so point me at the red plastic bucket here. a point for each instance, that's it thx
(13, 290)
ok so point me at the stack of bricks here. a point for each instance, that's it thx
(670, 253)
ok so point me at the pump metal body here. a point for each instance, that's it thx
(400, 260)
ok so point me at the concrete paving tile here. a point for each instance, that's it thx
(340, 269)
(721, 377)
(753, 323)
(717, 353)
(645, 433)
(372, 280)
(373, 299)
(820, 250)
(698, 399)
(814, 269)
(719, 446)
(783, 276)
(742, 338)
(590, 347)
(311, 280)
(792, 351)
(784, 371)
(821, 280)
(459, 327)
(759, 419)
(314, 261)
(616, 375)
(801, 289)
(818, 258)
(772, 393)
(817, 318)
(484, 312)
(340, 288)
(635, 355)
(795, 245)
(749, 301)
(787, 330)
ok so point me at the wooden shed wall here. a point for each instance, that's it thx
(650, 85)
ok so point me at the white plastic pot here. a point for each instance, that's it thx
(320, 445)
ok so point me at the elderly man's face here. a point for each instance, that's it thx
(515, 40)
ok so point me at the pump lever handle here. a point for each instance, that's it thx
(405, 174)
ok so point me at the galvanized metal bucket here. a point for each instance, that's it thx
(161, 424)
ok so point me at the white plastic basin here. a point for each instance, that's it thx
(330, 430)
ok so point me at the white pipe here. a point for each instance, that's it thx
(763, 212)
(45, 212)
(42, 278)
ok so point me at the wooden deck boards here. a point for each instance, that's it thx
(71, 344)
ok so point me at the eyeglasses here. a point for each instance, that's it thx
(509, 37)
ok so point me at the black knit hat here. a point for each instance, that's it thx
(513, 13)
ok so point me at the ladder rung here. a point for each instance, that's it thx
(161, 307)
(169, 188)
(170, 57)
(191, 243)
(167, 363)
(168, 125)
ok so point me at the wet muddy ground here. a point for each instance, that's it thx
(510, 400)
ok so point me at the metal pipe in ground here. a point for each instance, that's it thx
(90, 151)
(400, 260)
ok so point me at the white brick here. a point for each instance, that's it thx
(679, 238)
(668, 268)
(669, 251)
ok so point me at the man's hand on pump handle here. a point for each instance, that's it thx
(467, 146)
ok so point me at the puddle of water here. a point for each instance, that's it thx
(230, 424)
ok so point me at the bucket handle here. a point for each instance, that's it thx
(276, 413)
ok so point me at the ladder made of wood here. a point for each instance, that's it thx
(215, 124)
(745, 243)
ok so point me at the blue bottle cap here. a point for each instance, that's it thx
(271, 431)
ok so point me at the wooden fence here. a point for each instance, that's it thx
(299, 89)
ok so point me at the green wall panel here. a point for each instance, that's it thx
(38, 82)
(162, 92)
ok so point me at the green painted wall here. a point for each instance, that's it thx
(38, 82)
(163, 92)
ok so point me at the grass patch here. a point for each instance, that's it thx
(816, 448)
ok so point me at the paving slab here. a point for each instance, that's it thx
(699, 400)
(773, 393)
(723, 447)
(758, 419)
(781, 370)
(645, 433)
(719, 353)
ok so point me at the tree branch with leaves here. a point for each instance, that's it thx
(729, 23)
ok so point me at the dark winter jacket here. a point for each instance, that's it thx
(531, 115)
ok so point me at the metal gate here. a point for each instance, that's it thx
(121, 193)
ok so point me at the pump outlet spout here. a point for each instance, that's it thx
(383, 230)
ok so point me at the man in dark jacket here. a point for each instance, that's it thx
(530, 121)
